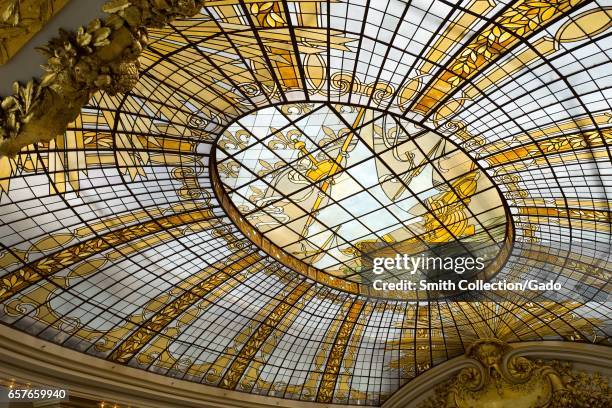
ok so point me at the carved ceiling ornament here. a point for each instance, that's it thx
(102, 56)
(501, 379)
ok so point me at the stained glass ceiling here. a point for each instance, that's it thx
(127, 237)
(337, 186)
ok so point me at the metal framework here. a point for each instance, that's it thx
(115, 242)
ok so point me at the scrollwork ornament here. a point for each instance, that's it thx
(497, 377)
(379, 92)
(295, 109)
(250, 89)
(452, 126)
(342, 82)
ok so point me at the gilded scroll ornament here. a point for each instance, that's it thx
(501, 379)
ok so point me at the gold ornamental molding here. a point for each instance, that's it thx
(102, 56)
(492, 373)
(20, 20)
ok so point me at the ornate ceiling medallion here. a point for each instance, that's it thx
(328, 188)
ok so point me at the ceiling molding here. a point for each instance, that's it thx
(26, 359)
(582, 356)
